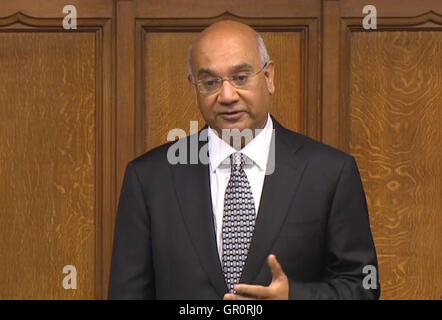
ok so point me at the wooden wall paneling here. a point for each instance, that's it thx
(331, 64)
(56, 165)
(393, 124)
(390, 8)
(311, 62)
(286, 50)
(294, 45)
(41, 191)
(53, 8)
(109, 195)
(336, 54)
(167, 98)
(243, 8)
(125, 46)
(402, 185)
(125, 98)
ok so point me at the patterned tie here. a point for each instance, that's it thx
(238, 221)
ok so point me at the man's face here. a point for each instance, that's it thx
(225, 53)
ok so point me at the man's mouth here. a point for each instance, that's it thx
(232, 116)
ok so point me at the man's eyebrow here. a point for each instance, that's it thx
(238, 67)
(206, 71)
(242, 66)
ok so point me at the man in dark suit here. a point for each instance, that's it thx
(277, 216)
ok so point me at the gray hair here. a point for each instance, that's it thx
(265, 58)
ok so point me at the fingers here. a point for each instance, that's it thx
(275, 267)
(280, 281)
(229, 296)
(278, 289)
(254, 291)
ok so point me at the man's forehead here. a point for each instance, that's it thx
(228, 34)
(226, 48)
(226, 40)
(226, 28)
(215, 62)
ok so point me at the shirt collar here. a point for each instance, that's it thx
(257, 149)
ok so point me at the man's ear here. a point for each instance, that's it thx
(192, 85)
(269, 74)
(195, 92)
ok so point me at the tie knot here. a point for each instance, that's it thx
(237, 161)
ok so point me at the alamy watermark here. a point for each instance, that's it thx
(186, 151)
(370, 281)
(370, 20)
(70, 20)
(70, 281)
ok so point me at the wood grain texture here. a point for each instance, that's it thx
(125, 91)
(169, 101)
(47, 164)
(285, 50)
(54, 8)
(244, 8)
(331, 86)
(396, 136)
(391, 8)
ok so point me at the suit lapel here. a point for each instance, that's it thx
(278, 192)
(193, 192)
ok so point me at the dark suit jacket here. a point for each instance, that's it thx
(312, 215)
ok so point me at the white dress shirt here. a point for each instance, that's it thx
(257, 150)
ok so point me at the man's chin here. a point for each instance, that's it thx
(234, 125)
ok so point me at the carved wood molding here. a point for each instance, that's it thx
(246, 8)
(19, 19)
(425, 21)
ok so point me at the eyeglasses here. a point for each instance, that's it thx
(241, 80)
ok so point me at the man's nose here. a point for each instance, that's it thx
(227, 94)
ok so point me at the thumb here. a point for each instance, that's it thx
(276, 268)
